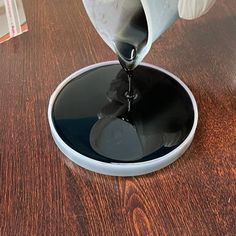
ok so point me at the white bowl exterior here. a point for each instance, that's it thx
(160, 15)
(121, 169)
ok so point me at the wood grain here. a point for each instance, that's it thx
(42, 193)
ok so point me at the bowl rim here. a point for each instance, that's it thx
(116, 165)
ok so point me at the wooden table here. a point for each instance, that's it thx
(42, 193)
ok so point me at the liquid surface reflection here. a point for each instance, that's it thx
(91, 114)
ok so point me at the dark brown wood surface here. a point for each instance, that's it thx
(42, 193)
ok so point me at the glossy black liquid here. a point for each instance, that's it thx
(131, 38)
(90, 115)
(130, 41)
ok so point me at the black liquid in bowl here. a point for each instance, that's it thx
(90, 114)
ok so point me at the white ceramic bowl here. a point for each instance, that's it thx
(121, 169)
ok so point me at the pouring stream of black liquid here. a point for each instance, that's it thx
(134, 38)
(127, 54)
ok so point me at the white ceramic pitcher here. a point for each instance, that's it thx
(108, 16)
